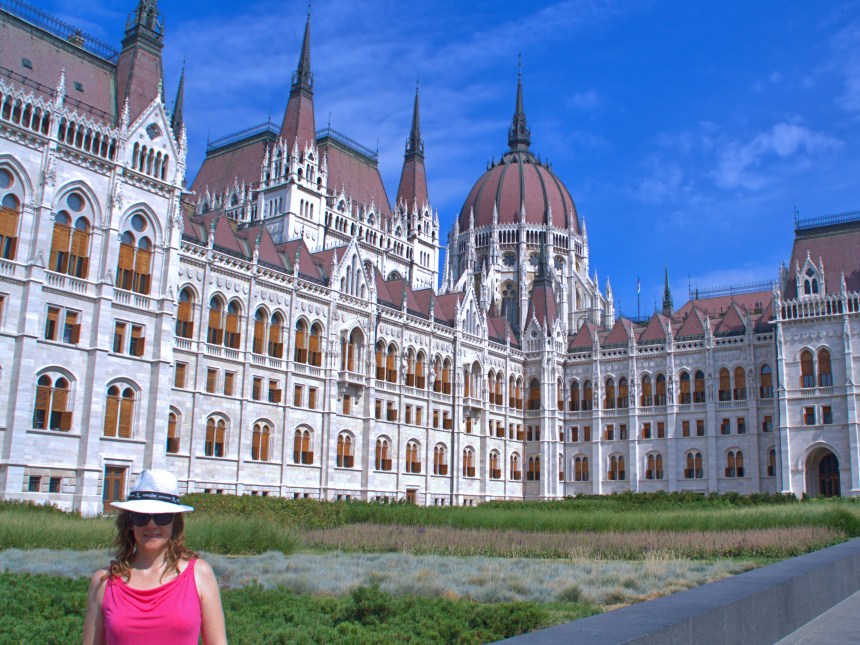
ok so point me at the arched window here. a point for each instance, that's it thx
(391, 364)
(622, 393)
(134, 267)
(510, 306)
(350, 351)
(609, 394)
(119, 412)
(10, 213)
(586, 395)
(185, 314)
(735, 464)
(807, 370)
(646, 400)
(301, 350)
(344, 450)
(516, 473)
(232, 335)
(495, 467)
(740, 384)
(440, 460)
(725, 385)
(616, 468)
(771, 463)
(70, 244)
(413, 459)
(654, 469)
(172, 433)
(260, 439)
(534, 394)
(694, 466)
(259, 331)
(560, 467)
(580, 469)
(303, 448)
(410, 367)
(573, 403)
(519, 394)
(468, 462)
(766, 379)
(533, 474)
(52, 400)
(420, 370)
(699, 395)
(825, 377)
(446, 377)
(315, 346)
(499, 395)
(276, 340)
(685, 396)
(383, 460)
(216, 429)
(215, 332)
(660, 395)
(380, 361)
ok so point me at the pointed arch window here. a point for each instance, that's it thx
(172, 433)
(276, 339)
(516, 473)
(560, 467)
(185, 314)
(260, 440)
(10, 213)
(52, 401)
(215, 332)
(232, 335)
(580, 469)
(646, 399)
(70, 244)
(766, 379)
(495, 467)
(134, 267)
(685, 396)
(694, 466)
(303, 447)
(660, 395)
(587, 395)
(345, 453)
(216, 430)
(771, 462)
(623, 395)
(573, 404)
(654, 467)
(440, 460)
(740, 384)
(534, 394)
(559, 394)
(119, 412)
(609, 394)
(616, 468)
(410, 368)
(735, 464)
(825, 376)
(391, 364)
(259, 331)
(699, 385)
(380, 361)
(807, 370)
(413, 459)
(468, 462)
(420, 369)
(725, 385)
(315, 346)
(301, 350)
(351, 351)
(383, 457)
(533, 474)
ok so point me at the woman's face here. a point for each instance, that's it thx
(152, 536)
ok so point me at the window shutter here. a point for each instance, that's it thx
(43, 399)
(264, 444)
(80, 251)
(8, 222)
(66, 421)
(275, 346)
(210, 380)
(111, 411)
(314, 350)
(126, 409)
(60, 248)
(138, 340)
(259, 334)
(300, 347)
(142, 270)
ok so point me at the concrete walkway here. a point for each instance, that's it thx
(839, 625)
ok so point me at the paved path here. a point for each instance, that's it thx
(838, 626)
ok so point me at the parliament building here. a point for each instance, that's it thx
(279, 327)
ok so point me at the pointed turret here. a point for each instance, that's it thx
(298, 125)
(413, 180)
(667, 296)
(139, 71)
(176, 119)
(519, 135)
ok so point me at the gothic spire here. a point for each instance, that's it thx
(414, 145)
(519, 135)
(176, 120)
(667, 296)
(303, 79)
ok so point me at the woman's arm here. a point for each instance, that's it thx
(94, 622)
(213, 630)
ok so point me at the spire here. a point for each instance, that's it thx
(298, 126)
(414, 145)
(303, 79)
(667, 296)
(139, 65)
(176, 120)
(519, 135)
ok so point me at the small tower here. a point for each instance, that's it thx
(139, 71)
(176, 118)
(667, 296)
(298, 127)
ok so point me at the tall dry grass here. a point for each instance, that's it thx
(610, 545)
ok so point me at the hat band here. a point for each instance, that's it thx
(161, 497)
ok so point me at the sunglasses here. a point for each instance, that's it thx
(142, 519)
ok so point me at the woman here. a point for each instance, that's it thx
(156, 590)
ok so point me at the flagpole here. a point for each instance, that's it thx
(638, 288)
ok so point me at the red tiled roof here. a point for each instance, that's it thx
(446, 307)
(413, 184)
(299, 122)
(584, 337)
(361, 180)
(694, 325)
(732, 322)
(714, 307)
(49, 56)
(381, 288)
(621, 332)
(307, 266)
(542, 305)
(655, 329)
(239, 164)
(138, 74)
(396, 289)
(839, 249)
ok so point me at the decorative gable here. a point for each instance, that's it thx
(810, 278)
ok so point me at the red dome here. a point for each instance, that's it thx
(519, 178)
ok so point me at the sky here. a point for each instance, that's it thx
(687, 132)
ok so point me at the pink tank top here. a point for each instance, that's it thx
(167, 615)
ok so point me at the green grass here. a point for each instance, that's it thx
(49, 611)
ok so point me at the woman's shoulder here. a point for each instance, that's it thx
(203, 574)
(98, 582)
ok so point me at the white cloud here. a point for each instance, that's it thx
(742, 164)
(585, 100)
(665, 183)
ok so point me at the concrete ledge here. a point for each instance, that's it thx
(759, 607)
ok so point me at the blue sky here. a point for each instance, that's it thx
(687, 132)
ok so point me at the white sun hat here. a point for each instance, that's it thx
(154, 491)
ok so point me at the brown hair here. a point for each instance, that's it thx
(124, 546)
